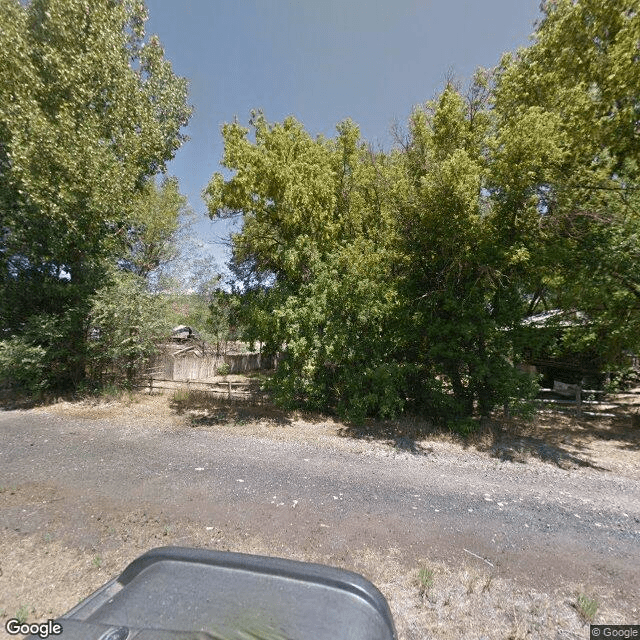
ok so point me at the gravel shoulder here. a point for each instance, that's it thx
(492, 538)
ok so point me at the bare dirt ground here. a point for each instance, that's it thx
(61, 540)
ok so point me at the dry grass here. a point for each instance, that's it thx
(44, 576)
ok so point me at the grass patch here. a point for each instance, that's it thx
(425, 580)
(181, 397)
(22, 614)
(587, 607)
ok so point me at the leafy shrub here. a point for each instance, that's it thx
(23, 364)
(224, 369)
(463, 426)
(127, 323)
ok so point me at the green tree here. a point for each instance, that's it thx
(401, 280)
(395, 280)
(461, 286)
(317, 226)
(340, 331)
(89, 111)
(157, 220)
(284, 190)
(580, 80)
(126, 323)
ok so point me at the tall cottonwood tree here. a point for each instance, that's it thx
(315, 247)
(464, 276)
(90, 110)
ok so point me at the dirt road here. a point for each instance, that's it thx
(538, 525)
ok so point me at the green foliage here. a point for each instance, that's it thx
(316, 237)
(386, 279)
(224, 369)
(284, 191)
(38, 359)
(151, 237)
(578, 87)
(126, 323)
(462, 426)
(22, 364)
(622, 380)
(334, 328)
(181, 396)
(425, 580)
(23, 613)
(222, 319)
(462, 276)
(587, 607)
(90, 111)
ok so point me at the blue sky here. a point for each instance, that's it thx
(321, 61)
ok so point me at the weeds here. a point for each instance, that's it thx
(181, 396)
(587, 607)
(470, 585)
(23, 613)
(463, 426)
(518, 630)
(110, 392)
(97, 562)
(107, 392)
(487, 585)
(425, 578)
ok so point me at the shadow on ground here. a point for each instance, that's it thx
(558, 438)
(407, 434)
(205, 409)
(552, 436)
(12, 400)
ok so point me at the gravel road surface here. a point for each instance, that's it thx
(535, 521)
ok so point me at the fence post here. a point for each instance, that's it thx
(579, 401)
(229, 389)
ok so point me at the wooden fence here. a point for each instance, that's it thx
(192, 366)
(590, 402)
(233, 392)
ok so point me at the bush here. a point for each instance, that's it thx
(224, 369)
(127, 323)
(23, 364)
(47, 354)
